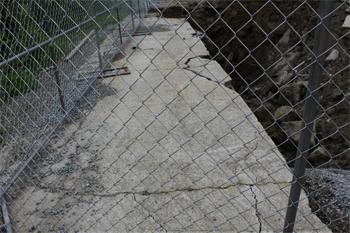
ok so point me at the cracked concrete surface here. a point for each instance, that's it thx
(171, 151)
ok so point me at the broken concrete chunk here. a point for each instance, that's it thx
(346, 23)
(333, 55)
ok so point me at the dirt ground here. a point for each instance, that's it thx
(257, 53)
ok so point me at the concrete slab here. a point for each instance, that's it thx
(170, 151)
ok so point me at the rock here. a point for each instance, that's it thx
(293, 129)
(263, 114)
(284, 78)
(333, 55)
(337, 94)
(285, 38)
(292, 93)
(228, 64)
(346, 23)
(287, 113)
(319, 156)
(282, 65)
(305, 36)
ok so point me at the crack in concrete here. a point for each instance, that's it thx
(149, 214)
(200, 75)
(188, 67)
(257, 213)
(146, 193)
(199, 56)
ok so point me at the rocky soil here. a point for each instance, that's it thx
(269, 59)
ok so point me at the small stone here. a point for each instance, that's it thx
(346, 23)
(305, 36)
(337, 94)
(285, 38)
(284, 78)
(283, 66)
(333, 55)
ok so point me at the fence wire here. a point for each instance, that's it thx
(164, 115)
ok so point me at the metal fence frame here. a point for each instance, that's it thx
(138, 13)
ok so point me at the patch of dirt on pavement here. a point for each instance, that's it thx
(267, 50)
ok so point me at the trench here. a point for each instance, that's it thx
(267, 51)
(270, 72)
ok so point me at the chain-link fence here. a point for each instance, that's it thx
(164, 115)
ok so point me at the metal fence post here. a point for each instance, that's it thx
(6, 216)
(53, 56)
(120, 30)
(320, 45)
(138, 5)
(132, 16)
(97, 36)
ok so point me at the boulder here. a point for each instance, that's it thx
(293, 129)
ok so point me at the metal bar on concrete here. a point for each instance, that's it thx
(53, 57)
(115, 68)
(115, 74)
(140, 33)
(320, 46)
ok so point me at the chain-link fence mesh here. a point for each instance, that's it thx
(164, 115)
